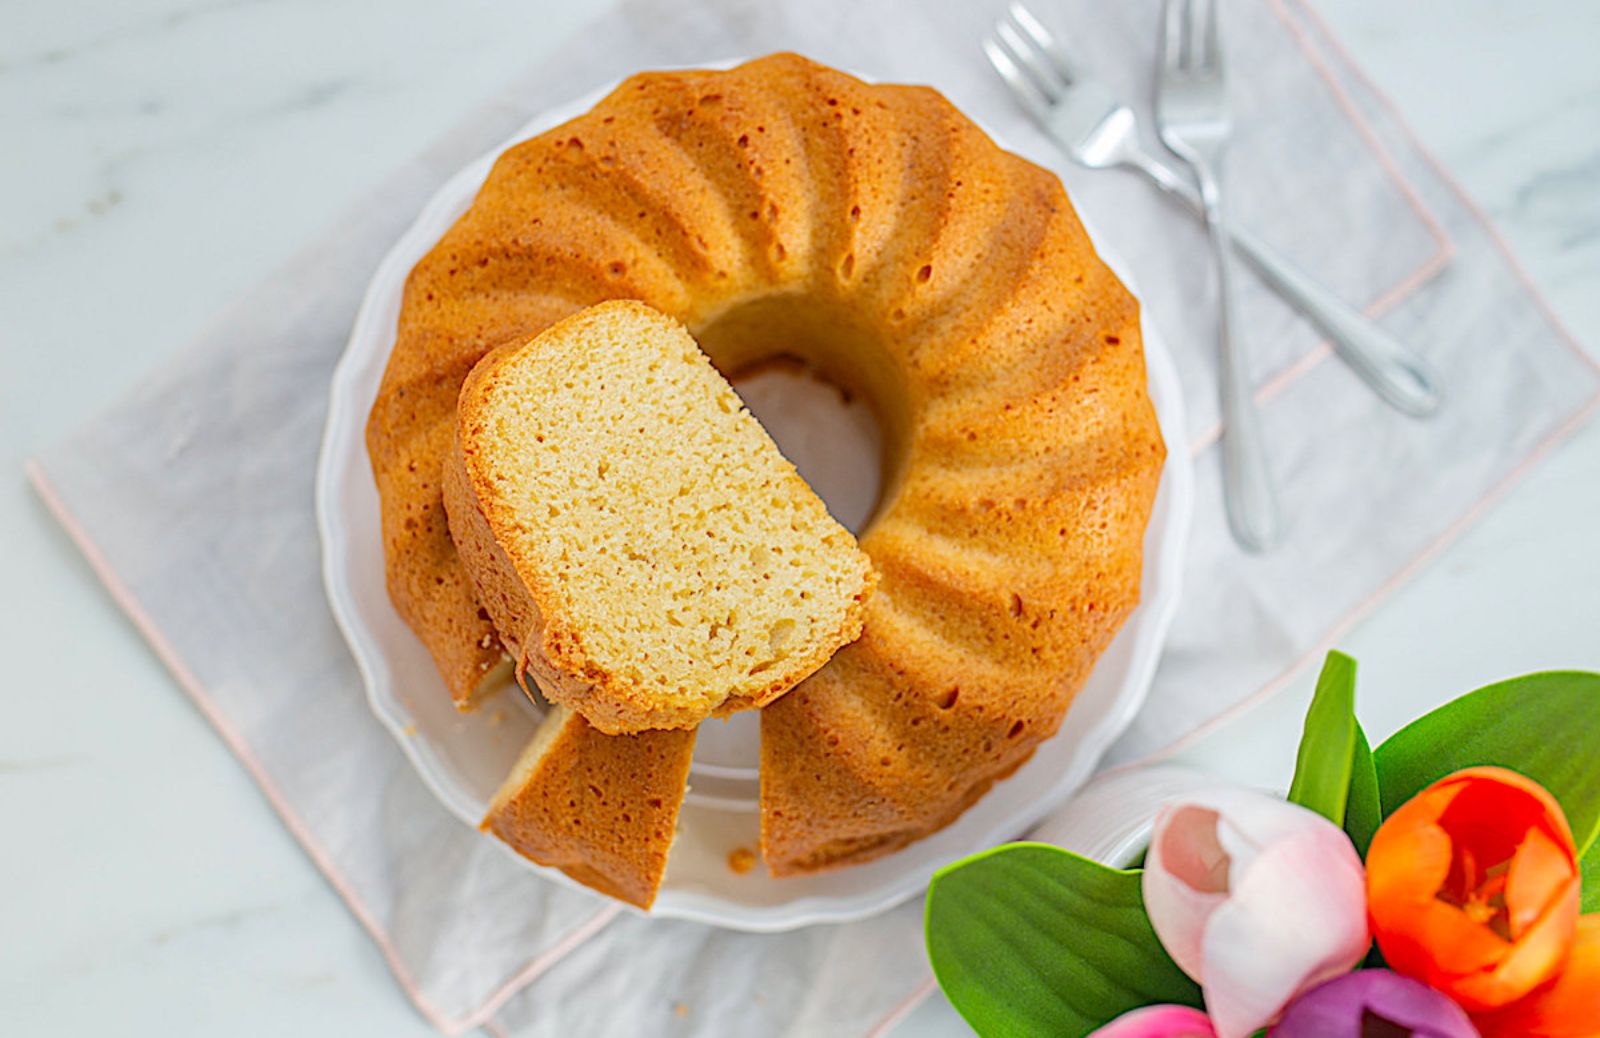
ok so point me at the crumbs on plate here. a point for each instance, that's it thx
(741, 860)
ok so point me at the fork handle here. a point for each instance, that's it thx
(1393, 370)
(1251, 500)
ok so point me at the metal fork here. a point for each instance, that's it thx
(1099, 131)
(1194, 120)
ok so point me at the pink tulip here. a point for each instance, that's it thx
(1158, 1022)
(1256, 899)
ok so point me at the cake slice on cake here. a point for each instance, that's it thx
(642, 546)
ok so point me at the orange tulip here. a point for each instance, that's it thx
(1473, 887)
(1568, 1007)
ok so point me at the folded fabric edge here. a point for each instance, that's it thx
(125, 600)
(1418, 562)
(1353, 67)
(898, 1014)
(483, 1016)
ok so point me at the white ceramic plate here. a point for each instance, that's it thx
(463, 757)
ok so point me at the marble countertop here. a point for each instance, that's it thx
(162, 155)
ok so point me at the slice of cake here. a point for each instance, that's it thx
(602, 808)
(643, 548)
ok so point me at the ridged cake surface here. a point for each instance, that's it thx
(782, 207)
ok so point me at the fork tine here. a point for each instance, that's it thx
(1203, 33)
(1032, 98)
(1026, 58)
(1043, 39)
(1172, 25)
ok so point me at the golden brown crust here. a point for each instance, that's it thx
(601, 808)
(512, 608)
(1003, 355)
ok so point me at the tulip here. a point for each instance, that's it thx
(1567, 1007)
(1256, 899)
(1473, 887)
(1158, 1022)
(1373, 1001)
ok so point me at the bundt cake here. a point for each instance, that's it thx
(638, 540)
(782, 207)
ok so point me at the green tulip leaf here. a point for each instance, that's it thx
(1322, 768)
(1591, 879)
(1363, 810)
(1545, 726)
(1029, 939)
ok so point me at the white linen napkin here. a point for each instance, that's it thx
(193, 496)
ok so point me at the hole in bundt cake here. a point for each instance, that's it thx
(810, 372)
